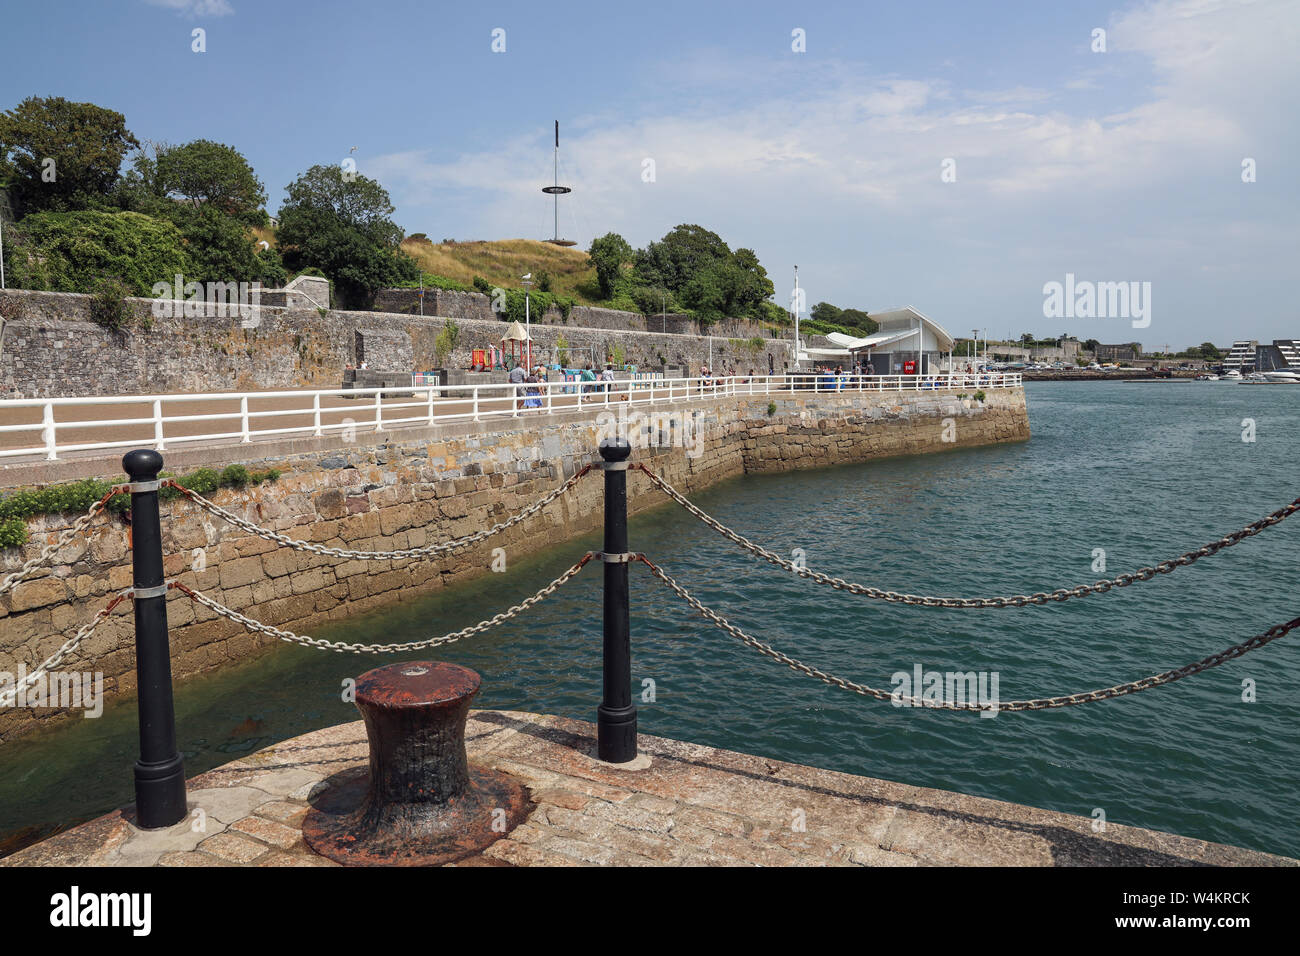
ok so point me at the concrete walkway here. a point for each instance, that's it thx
(677, 804)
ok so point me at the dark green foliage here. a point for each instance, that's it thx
(482, 284)
(339, 223)
(204, 173)
(69, 251)
(86, 142)
(824, 318)
(608, 253)
(221, 249)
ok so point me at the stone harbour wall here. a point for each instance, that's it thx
(423, 486)
(52, 349)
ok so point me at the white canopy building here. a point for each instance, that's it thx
(905, 334)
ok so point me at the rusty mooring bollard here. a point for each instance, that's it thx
(421, 804)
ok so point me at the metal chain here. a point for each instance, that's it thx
(1020, 600)
(8, 697)
(64, 538)
(1038, 703)
(428, 551)
(346, 648)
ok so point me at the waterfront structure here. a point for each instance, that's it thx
(1117, 353)
(1241, 357)
(905, 335)
(1282, 355)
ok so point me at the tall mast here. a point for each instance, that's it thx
(556, 191)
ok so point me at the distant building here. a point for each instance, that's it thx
(1118, 353)
(1242, 355)
(1283, 354)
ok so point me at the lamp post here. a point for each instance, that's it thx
(528, 328)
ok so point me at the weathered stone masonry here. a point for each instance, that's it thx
(420, 487)
(53, 349)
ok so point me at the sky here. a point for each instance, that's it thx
(953, 156)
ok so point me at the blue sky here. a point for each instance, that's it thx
(1123, 165)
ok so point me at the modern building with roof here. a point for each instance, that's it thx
(904, 335)
(1242, 355)
(1282, 355)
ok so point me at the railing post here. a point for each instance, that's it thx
(48, 433)
(379, 410)
(616, 715)
(158, 426)
(243, 419)
(315, 414)
(160, 772)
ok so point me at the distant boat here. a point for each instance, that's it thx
(1283, 375)
(1207, 377)
(1232, 375)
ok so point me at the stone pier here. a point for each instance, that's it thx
(677, 804)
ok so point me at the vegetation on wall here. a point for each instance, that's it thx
(76, 497)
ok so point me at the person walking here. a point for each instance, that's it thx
(518, 376)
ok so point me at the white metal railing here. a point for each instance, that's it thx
(153, 419)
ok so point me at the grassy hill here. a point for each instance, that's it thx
(503, 261)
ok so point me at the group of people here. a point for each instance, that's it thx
(532, 382)
(589, 378)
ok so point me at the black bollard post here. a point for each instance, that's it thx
(160, 772)
(616, 715)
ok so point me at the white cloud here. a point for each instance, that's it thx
(196, 8)
(849, 157)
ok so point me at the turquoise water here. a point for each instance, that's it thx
(1142, 470)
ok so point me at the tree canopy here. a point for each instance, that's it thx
(338, 222)
(61, 155)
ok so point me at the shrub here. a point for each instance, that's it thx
(482, 285)
(446, 341)
(108, 305)
(13, 533)
(771, 409)
(979, 396)
(543, 281)
(236, 476)
(68, 252)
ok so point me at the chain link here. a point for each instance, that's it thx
(1019, 600)
(64, 538)
(8, 697)
(1038, 703)
(345, 648)
(428, 551)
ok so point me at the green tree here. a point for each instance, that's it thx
(1211, 351)
(61, 155)
(339, 223)
(684, 253)
(204, 173)
(859, 320)
(221, 250)
(608, 254)
(825, 312)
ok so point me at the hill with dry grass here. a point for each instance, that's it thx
(502, 262)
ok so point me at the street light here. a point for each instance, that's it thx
(528, 328)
